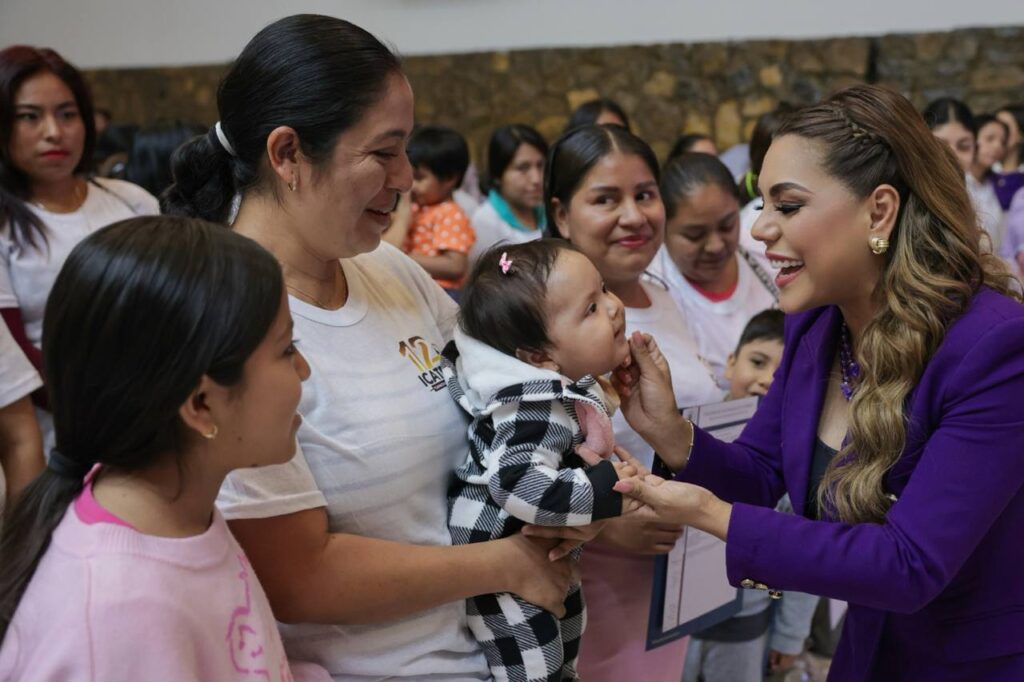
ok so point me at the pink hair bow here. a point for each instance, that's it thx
(504, 263)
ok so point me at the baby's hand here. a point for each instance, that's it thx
(626, 456)
(626, 471)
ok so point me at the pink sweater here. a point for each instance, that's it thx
(109, 603)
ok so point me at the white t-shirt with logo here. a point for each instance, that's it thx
(379, 441)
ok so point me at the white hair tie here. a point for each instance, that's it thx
(223, 139)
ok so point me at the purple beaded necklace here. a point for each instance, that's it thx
(848, 367)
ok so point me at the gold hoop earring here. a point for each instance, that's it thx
(212, 434)
(878, 245)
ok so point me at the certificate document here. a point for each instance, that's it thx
(691, 591)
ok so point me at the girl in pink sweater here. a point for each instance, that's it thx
(168, 343)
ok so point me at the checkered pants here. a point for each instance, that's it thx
(525, 643)
(522, 642)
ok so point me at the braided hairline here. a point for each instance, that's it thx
(857, 131)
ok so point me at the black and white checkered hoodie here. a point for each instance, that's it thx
(522, 466)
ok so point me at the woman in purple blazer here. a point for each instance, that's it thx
(904, 353)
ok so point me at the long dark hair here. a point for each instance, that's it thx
(576, 152)
(140, 312)
(314, 73)
(17, 64)
(505, 142)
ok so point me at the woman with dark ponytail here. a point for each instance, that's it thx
(350, 538)
(188, 371)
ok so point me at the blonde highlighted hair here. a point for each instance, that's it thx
(872, 136)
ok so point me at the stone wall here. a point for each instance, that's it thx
(717, 88)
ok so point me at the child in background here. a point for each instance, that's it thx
(734, 650)
(750, 368)
(537, 329)
(188, 371)
(439, 235)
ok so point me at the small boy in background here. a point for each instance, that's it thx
(734, 650)
(750, 368)
(438, 234)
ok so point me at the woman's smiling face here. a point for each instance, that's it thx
(615, 217)
(814, 229)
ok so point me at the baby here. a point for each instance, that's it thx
(537, 331)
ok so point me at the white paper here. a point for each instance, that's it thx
(704, 581)
(696, 581)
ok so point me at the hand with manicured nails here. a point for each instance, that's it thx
(676, 503)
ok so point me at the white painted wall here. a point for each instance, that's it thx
(123, 33)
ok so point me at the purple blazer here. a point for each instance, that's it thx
(936, 593)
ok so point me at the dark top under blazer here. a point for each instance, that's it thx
(936, 592)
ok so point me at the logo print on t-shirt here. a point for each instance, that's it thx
(427, 360)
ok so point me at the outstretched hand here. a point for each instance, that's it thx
(661, 501)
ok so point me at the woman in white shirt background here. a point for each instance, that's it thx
(716, 283)
(952, 122)
(48, 203)
(513, 210)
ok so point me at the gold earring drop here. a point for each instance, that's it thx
(293, 185)
(212, 434)
(878, 245)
